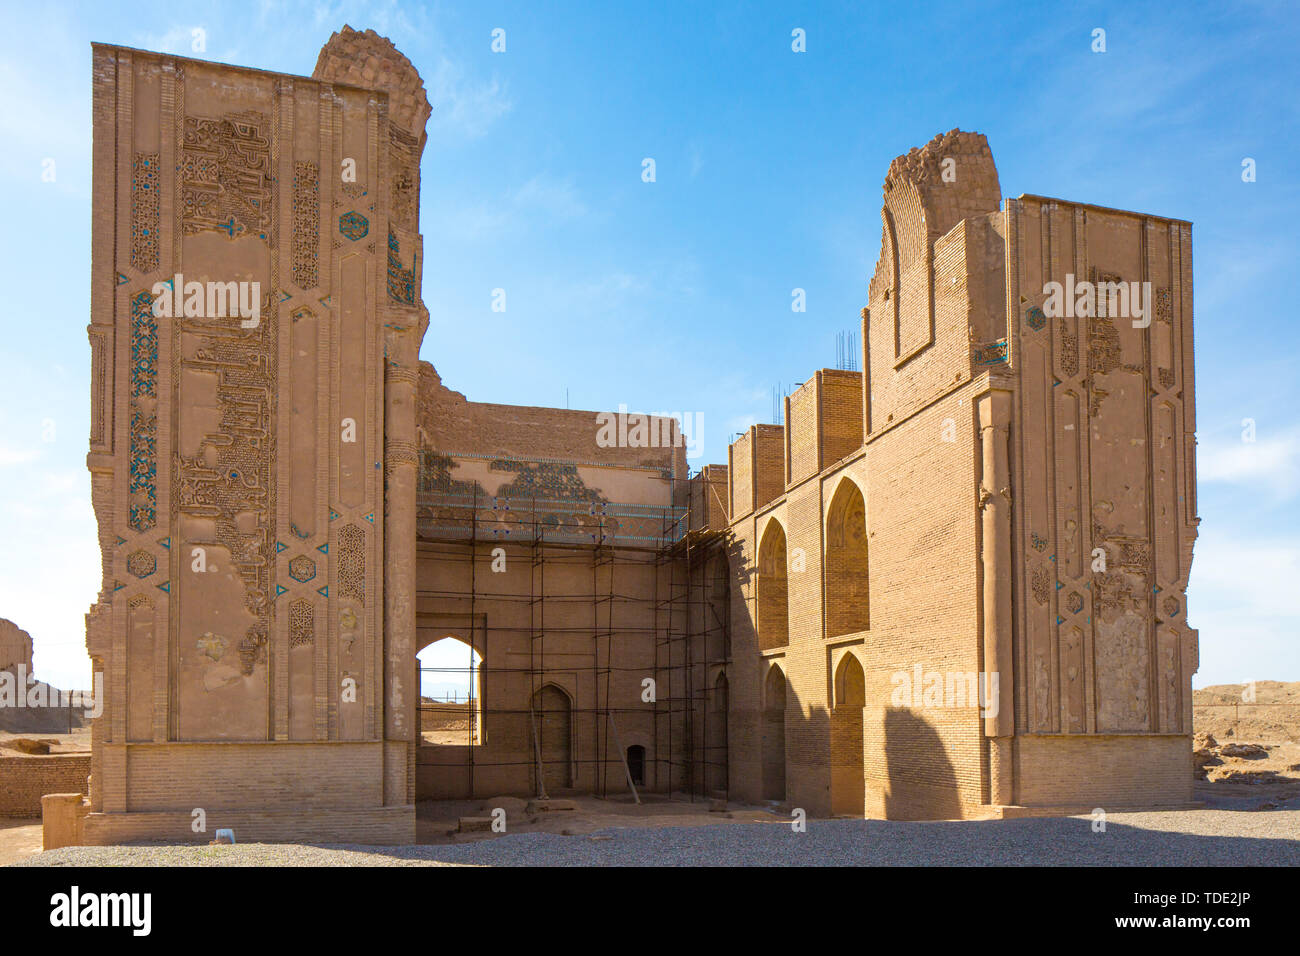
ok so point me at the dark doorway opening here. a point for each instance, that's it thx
(636, 764)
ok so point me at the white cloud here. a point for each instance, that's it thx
(542, 196)
(177, 40)
(476, 222)
(607, 291)
(385, 19)
(751, 397)
(463, 108)
(1241, 599)
(1270, 463)
(48, 584)
(1254, 575)
(739, 424)
(1251, 263)
(697, 162)
(558, 199)
(45, 116)
(15, 456)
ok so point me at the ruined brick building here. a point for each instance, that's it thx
(291, 505)
(15, 649)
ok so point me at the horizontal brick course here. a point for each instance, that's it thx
(25, 779)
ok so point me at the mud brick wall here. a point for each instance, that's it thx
(445, 715)
(841, 414)
(999, 447)
(25, 779)
(447, 422)
(740, 472)
(769, 463)
(708, 501)
(801, 432)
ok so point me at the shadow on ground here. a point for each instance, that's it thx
(1217, 838)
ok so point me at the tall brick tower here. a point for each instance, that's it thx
(254, 480)
(1005, 489)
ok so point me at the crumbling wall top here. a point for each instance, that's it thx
(15, 647)
(928, 191)
(949, 191)
(366, 59)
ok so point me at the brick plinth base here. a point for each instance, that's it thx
(380, 826)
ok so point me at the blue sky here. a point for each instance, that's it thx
(769, 165)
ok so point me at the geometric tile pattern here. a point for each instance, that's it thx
(354, 225)
(302, 569)
(141, 564)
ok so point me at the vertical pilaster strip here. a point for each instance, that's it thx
(995, 502)
(1089, 675)
(866, 372)
(401, 463)
(1187, 486)
(731, 480)
(173, 210)
(1016, 270)
(789, 454)
(282, 237)
(169, 146)
(1187, 370)
(115, 661)
(820, 431)
(376, 426)
(101, 625)
(1052, 719)
(327, 624)
(333, 671)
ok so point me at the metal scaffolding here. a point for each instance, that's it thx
(681, 625)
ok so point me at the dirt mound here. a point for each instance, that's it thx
(1245, 751)
(27, 746)
(513, 806)
(1246, 743)
(1266, 711)
(42, 720)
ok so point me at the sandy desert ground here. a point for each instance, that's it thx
(1248, 745)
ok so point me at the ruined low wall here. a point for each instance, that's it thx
(373, 826)
(25, 779)
(444, 715)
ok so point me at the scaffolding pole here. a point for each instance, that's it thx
(683, 621)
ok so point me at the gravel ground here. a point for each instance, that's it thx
(1182, 838)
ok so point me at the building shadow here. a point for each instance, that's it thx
(1068, 841)
(922, 782)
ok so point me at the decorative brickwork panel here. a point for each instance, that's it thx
(401, 281)
(306, 224)
(143, 420)
(1103, 472)
(302, 624)
(354, 226)
(302, 569)
(145, 189)
(228, 481)
(352, 563)
(226, 175)
(141, 564)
